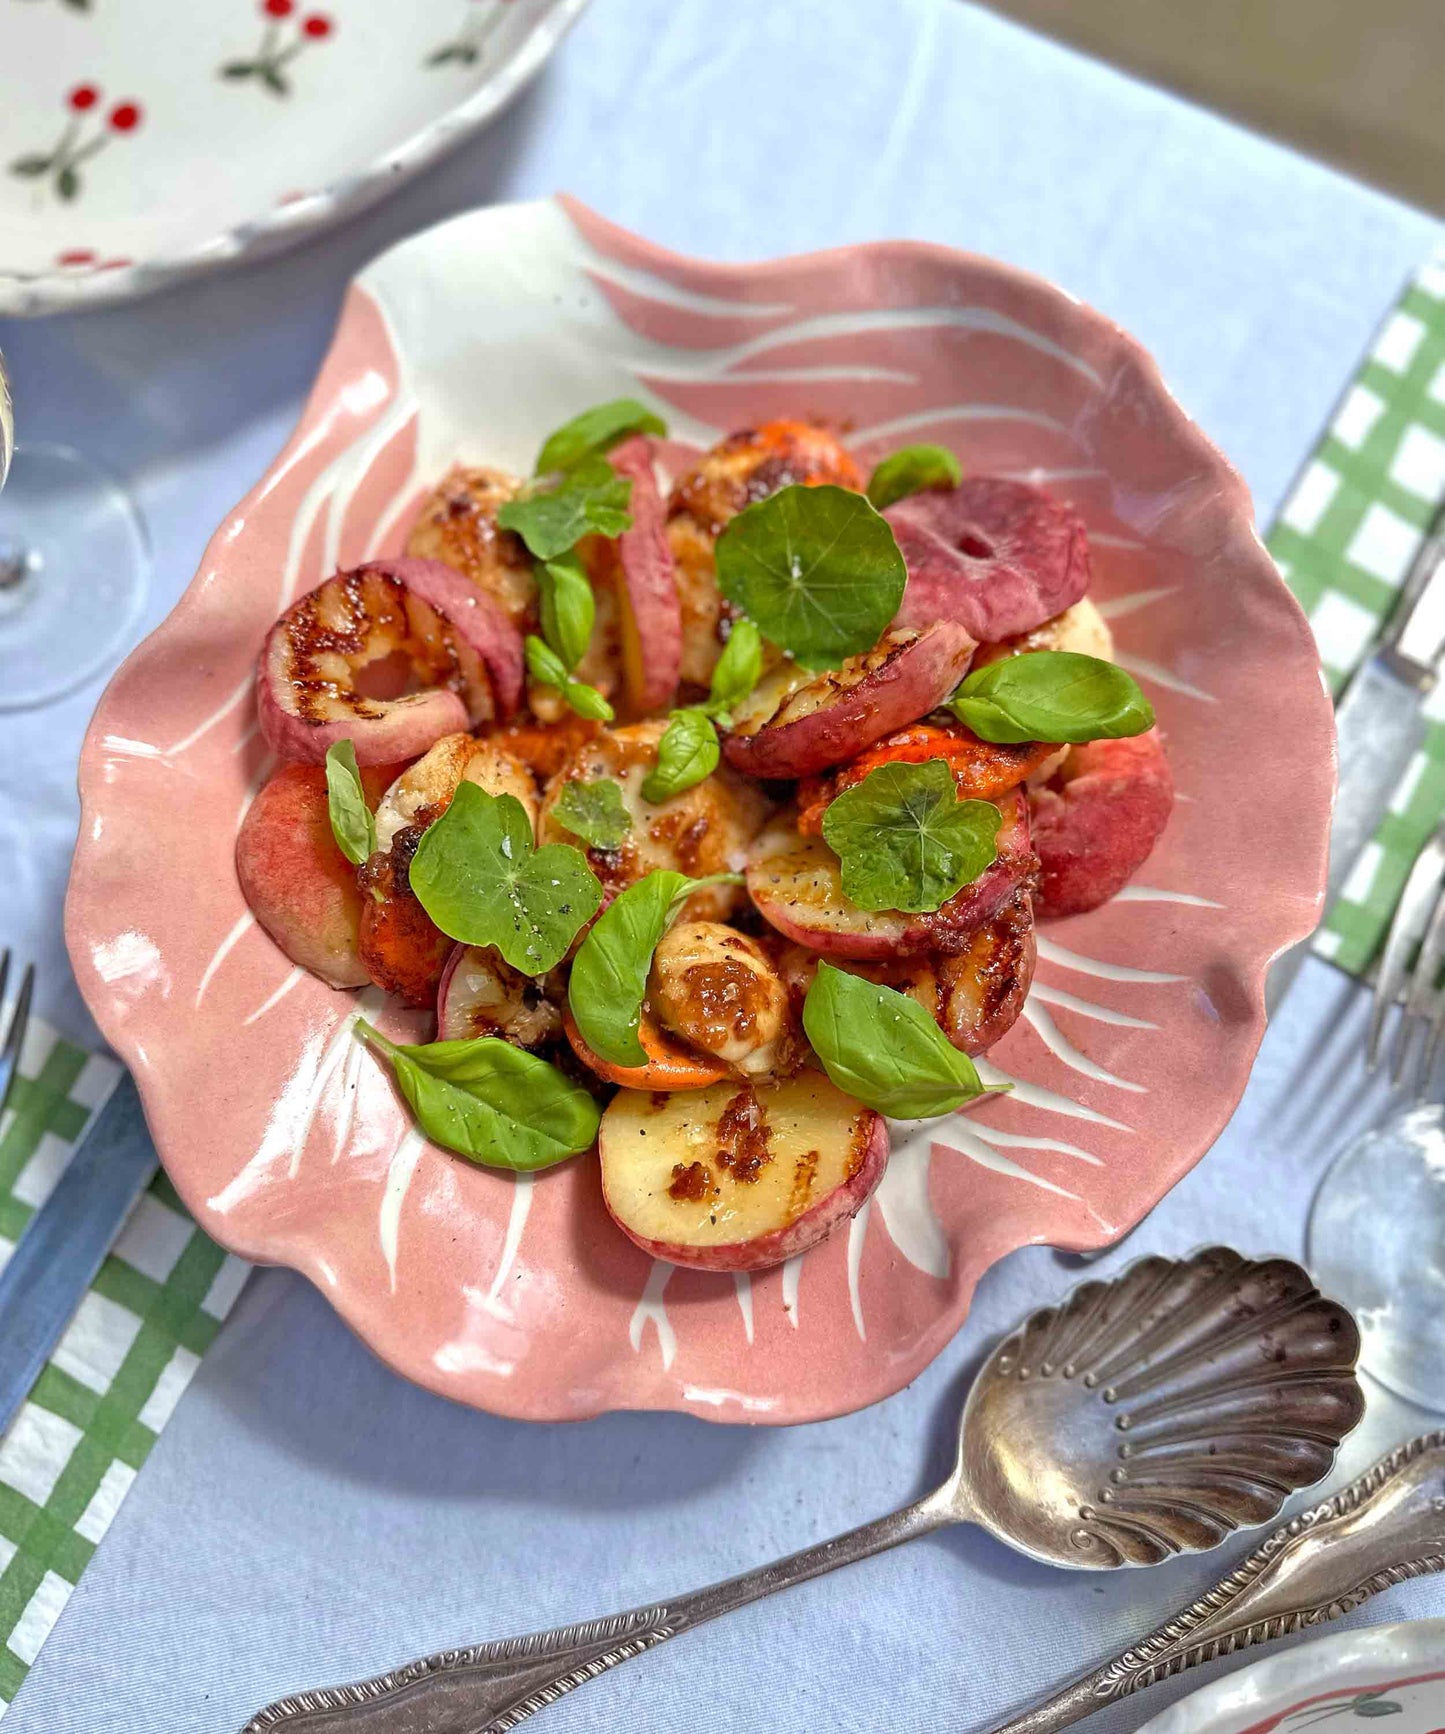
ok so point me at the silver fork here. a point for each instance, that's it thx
(15, 1035)
(1409, 970)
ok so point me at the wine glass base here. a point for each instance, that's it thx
(1377, 1244)
(74, 562)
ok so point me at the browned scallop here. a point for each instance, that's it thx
(719, 990)
(745, 467)
(706, 829)
(458, 525)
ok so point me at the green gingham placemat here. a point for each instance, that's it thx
(73, 1450)
(1344, 540)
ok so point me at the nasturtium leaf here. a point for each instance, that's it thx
(1051, 695)
(912, 471)
(687, 752)
(881, 1046)
(905, 841)
(592, 498)
(594, 812)
(568, 607)
(609, 972)
(480, 878)
(597, 430)
(817, 569)
(351, 822)
(491, 1102)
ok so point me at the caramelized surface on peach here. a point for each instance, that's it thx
(458, 526)
(739, 1177)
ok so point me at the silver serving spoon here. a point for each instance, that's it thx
(1144, 1417)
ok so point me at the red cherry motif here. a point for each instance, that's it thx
(317, 25)
(278, 8)
(84, 96)
(125, 117)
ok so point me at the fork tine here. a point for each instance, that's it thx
(10, 1053)
(1423, 1002)
(1416, 901)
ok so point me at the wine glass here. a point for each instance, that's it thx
(74, 561)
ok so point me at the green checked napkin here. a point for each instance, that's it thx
(1344, 541)
(115, 1377)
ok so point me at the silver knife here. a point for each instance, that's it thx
(65, 1242)
(1381, 726)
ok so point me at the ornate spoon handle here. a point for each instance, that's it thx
(489, 1688)
(1387, 1526)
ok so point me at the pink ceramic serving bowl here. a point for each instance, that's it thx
(517, 1294)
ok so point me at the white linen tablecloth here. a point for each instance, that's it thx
(307, 1517)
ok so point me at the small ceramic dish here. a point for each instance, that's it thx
(518, 1294)
(138, 147)
(1341, 1683)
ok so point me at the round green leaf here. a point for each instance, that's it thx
(905, 841)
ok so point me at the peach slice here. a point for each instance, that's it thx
(671, 1063)
(424, 791)
(390, 656)
(999, 557)
(1096, 822)
(650, 615)
(299, 885)
(794, 883)
(457, 525)
(837, 715)
(739, 1176)
(482, 995)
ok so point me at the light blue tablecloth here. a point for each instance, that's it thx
(307, 1517)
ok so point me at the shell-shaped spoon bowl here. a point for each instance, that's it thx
(1155, 1413)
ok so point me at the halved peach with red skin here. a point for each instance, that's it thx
(671, 1063)
(649, 613)
(739, 1176)
(1097, 820)
(298, 884)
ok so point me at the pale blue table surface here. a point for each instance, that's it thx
(307, 1517)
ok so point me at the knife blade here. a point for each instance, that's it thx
(1380, 725)
(65, 1242)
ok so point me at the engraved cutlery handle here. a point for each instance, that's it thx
(1387, 1526)
(488, 1688)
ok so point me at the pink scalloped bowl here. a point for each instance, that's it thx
(284, 1136)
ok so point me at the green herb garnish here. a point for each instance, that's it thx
(568, 607)
(491, 1102)
(590, 499)
(481, 879)
(548, 669)
(687, 752)
(738, 670)
(596, 431)
(912, 471)
(1051, 695)
(352, 824)
(905, 841)
(817, 569)
(594, 812)
(609, 972)
(881, 1046)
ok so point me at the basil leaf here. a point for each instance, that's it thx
(590, 498)
(817, 569)
(491, 1102)
(911, 471)
(1054, 696)
(547, 669)
(687, 752)
(738, 670)
(905, 841)
(481, 880)
(595, 431)
(594, 812)
(609, 972)
(351, 822)
(881, 1046)
(568, 607)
